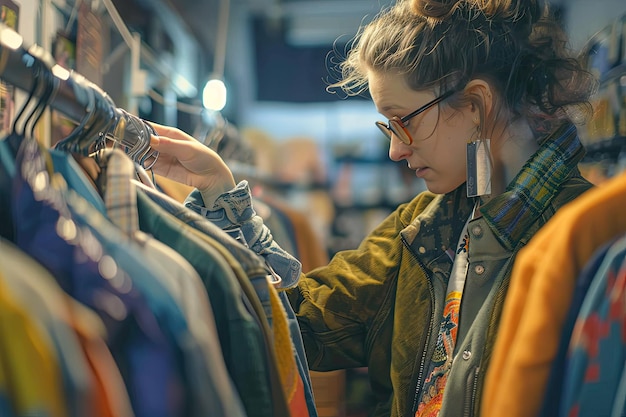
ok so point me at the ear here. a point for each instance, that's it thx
(480, 93)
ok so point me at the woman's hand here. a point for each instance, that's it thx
(184, 159)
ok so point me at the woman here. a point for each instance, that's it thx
(493, 138)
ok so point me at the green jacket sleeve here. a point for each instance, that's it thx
(341, 306)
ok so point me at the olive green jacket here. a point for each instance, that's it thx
(380, 305)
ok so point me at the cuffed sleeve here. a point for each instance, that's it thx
(233, 209)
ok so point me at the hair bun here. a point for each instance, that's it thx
(504, 11)
(433, 9)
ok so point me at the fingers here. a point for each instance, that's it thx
(181, 150)
(172, 132)
(186, 160)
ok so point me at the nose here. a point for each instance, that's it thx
(398, 150)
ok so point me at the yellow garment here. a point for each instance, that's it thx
(287, 368)
(174, 189)
(31, 371)
(541, 290)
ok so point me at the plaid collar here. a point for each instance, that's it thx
(512, 213)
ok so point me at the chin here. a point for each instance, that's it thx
(438, 188)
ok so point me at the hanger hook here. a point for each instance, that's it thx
(49, 84)
(71, 143)
(29, 100)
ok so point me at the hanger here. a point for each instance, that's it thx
(31, 110)
(148, 158)
(133, 134)
(93, 139)
(18, 127)
(49, 85)
(74, 142)
(44, 87)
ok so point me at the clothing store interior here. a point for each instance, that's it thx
(248, 79)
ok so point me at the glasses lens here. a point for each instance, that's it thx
(400, 131)
(383, 128)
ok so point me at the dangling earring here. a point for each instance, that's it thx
(478, 165)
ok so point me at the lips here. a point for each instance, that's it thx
(420, 172)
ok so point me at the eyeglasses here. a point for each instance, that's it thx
(396, 124)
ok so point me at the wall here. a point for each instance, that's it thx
(327, 122)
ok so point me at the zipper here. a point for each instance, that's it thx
(431, 290)
(468, 409)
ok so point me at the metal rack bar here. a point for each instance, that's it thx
(74, 98)
(16, 68)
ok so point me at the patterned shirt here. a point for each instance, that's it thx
(441, 361)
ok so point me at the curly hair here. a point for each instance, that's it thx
(517, 45)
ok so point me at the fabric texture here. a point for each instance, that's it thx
(257, 269)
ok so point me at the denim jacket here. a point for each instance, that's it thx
(380, 304)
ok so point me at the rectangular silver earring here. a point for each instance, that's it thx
(478, 168)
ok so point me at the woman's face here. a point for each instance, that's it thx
(440, 134)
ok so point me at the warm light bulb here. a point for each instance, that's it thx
(214, 95)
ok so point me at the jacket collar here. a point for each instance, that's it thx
(435, 231)
(512, 213)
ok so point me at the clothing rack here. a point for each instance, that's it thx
(75, 97)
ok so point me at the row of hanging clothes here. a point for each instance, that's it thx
(115, 299)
